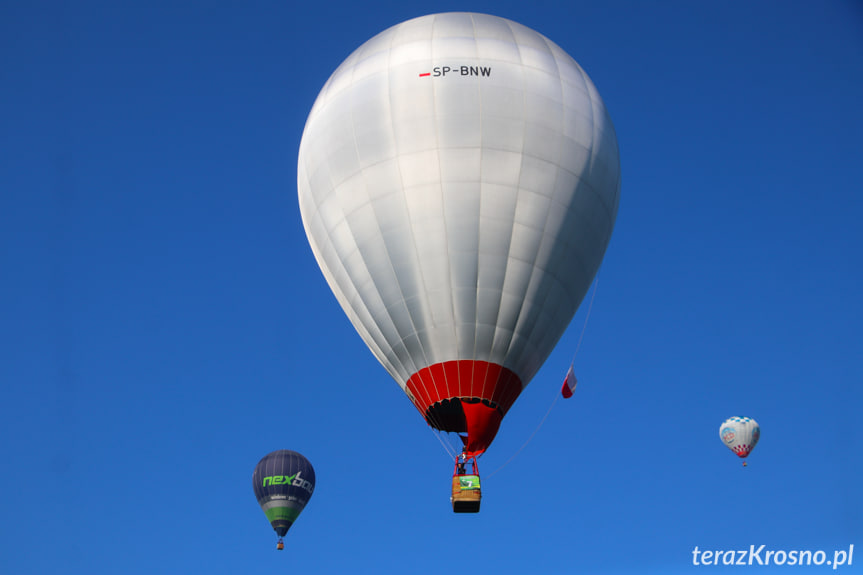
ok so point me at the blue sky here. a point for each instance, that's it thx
(165, 324)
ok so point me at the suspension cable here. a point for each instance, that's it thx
(514, 455)
(445, 444)
(557, 392)
(586, 317)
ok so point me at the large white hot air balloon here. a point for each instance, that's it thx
(459, 180)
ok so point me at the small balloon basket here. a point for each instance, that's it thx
(466, 492)
(281, 544)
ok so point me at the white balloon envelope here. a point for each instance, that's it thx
(459, 180)
(740, 434)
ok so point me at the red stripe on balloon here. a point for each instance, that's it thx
(439, 384)
(492, 388)
(465, 379)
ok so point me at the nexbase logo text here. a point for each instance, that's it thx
(294, 480)
(762, 556)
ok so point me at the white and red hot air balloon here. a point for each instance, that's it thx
(459, 181)
(740, 434)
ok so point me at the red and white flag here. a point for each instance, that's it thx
(569, 384)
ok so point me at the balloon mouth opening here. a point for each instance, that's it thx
(451, 414)
(475, 420)
(742, 451)
(467, 397)
(281, 527)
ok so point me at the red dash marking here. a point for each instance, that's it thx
(425, 74)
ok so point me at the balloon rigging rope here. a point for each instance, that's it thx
(514, 455)
(557, 394)
(586, 317)
(446, 444)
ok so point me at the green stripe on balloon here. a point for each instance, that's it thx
(282, 514)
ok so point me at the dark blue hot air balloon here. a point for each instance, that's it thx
(283, 482)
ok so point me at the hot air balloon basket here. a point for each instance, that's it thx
(466, 493)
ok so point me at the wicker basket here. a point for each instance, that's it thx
(466, 493)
